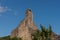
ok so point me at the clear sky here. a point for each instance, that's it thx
(13, 11)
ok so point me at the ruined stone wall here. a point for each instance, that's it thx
(25, 28)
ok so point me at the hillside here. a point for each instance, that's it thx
(8, 38)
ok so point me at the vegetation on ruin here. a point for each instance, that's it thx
(39, 34)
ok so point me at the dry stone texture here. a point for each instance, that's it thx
(25, 28)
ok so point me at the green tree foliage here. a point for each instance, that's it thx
(43, 34)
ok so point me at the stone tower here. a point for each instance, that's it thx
(25, 28)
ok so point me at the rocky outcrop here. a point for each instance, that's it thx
(25, 28)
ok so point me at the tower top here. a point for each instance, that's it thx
(28, 12)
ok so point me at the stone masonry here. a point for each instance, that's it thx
(25, 28)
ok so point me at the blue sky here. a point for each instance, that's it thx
(13, 11)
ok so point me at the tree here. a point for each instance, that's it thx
(46, 33)
(50, 32)
(42, 31)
